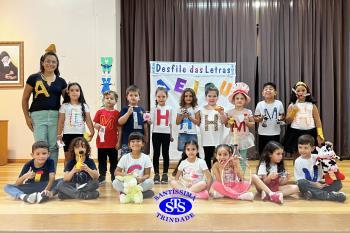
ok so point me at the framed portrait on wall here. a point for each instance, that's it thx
(11, 64)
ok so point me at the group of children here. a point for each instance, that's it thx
(227, 176)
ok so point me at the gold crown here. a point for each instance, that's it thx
(51, 48)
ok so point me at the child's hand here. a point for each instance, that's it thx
(139, 180)
(235, 162)
(273, 175)
(258, 118)
(319, 140)
(47, 193)
(30, 174)
(84, 167)
(74, 170)
(97, 126)
(130, 110)
(320, 185)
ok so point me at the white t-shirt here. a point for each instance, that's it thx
(301, 163)
(73, 122)
(187, 126)
(193, 171)
(304, 119)
(272, 112)
(131, 165)
(211, 127)
(161, 119)
(262, 169)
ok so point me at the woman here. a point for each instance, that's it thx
(47, 88)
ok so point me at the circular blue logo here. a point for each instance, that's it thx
(175, 206)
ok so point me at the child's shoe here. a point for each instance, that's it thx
(203, 195)
(217, 195)
(41, 197)
(248, 196)
(156, 178)
(164, 178)
(276, 197)
(336, 196)
(89, 195)
(30, 198)
(264, 196)
(307, 195)
(147, 194)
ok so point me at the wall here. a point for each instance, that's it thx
(83, 31)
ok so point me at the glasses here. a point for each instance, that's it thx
(50, 62)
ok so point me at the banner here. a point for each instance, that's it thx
(176, 76)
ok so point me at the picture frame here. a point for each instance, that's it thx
(11, 64)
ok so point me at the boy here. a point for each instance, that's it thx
(108, 138)
(308, 175)
(37, 177)
(80, 174)
(131, 118)
(269, 113)
(135, 162)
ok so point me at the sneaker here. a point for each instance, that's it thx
(41, 197)
(202, 195)
(336, 196)
(156, 178)
(307, 195)
(217, 195)
(276, 197)
(30, 198)
(89, 195)
(264, 196)
(102, 180)
(147, 194)
(164, 178)
(248, 196)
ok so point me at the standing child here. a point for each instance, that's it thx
(240, 119)
(80, 174)
(73, 115)
(37, 177)
(136, 163)
(108, 138)
(237, 186)
(131, 118)
(212, 124)
(161, 134)
(303, 115)
(272, 171)
(193, 173)
(308, 175)
(269, 113)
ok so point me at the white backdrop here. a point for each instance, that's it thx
(176, 76)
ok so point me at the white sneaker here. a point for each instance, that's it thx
(248, 196)
(217, 195)
(30, 198)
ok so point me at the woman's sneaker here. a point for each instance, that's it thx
(276, 197)
(101, 180)
(164, 178)
(156, 178)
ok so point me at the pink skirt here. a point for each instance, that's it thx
(232, 190)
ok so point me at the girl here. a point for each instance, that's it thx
(272, 171)
(191, 172)
(240, 119)
(161, 134)
(213, 119)
(234, 173)
(80, 179)
(73, 114)
(304, 118)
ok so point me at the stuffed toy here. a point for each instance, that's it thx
(327, 161)
(132, 191)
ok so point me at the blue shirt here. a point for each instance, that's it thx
(42, 173)
(134, 123)
(81, 177)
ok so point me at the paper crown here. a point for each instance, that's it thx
(240, 88)
(51, 48)
(300, 83)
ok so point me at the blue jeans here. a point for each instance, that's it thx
(17, 190)
(183, 138)
(45, 129)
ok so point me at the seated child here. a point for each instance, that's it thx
(136, 163)
(308, 175)
(81, 176)
(37, 177)
(193, 173)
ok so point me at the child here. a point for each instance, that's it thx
(188, 117)
(240, 119)
(131, 118)
(193, 173)
(213, 119)
(161, 134)
(80, 174)
(269, 113)
(136, 163)
(303, 115)
(236, 190)
(73, 114)
(272, 171)
(308, 175)
(37, 177)
(108, 138)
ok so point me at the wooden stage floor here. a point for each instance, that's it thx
(106, 214)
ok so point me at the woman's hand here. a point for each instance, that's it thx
(29, 122)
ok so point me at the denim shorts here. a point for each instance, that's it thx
(183, 138)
